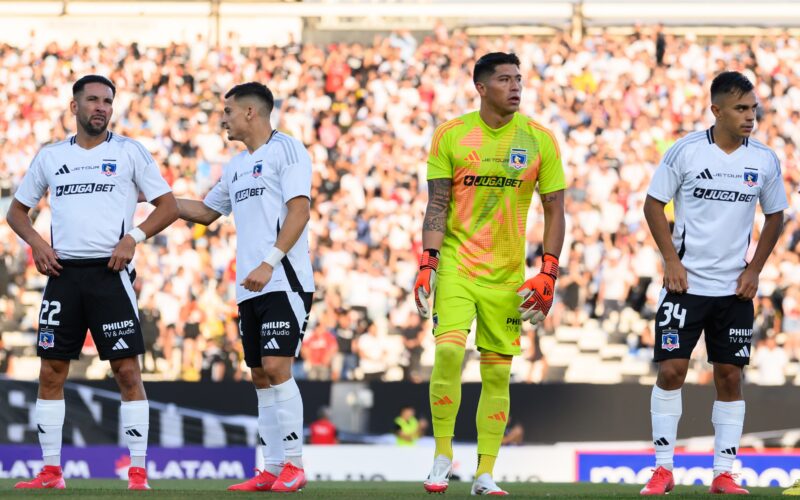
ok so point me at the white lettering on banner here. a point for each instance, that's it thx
(195, 469)
(29, 468)
(694, 475)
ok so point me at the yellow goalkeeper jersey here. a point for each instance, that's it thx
(494, 174)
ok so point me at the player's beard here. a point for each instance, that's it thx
(91, 128)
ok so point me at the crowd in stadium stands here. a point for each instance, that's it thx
(367, 114)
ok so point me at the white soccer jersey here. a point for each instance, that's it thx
(715, 202)
(93, 192)
(256, 188)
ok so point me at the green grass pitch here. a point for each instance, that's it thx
(199, 489)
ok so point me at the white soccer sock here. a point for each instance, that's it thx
(49, 419)
(728, 420)
(665, 412)
(135, 419)
(269, 431)
(290, 418)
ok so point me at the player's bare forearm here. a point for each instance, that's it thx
(196, 211)
(20, 223)
(659, 227)
(435, 222)
(554, 222)
(773, 226)
(166, 213)
(296, 220)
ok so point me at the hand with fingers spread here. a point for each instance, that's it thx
(426, 281)
(537, 292)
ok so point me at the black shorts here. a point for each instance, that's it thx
(727, 322)
(87, 294)
(273, 324)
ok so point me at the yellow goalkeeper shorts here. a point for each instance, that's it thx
(458, 302)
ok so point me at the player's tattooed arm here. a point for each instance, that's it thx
(554, 222)
(439, 191)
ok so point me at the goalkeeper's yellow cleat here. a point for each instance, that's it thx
(793, 489)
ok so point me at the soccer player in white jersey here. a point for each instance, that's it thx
(268, 189)
(715, 178)
(94, 179)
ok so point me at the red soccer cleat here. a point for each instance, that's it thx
(262, 481)
(725, 484)
(660, 484)
(137, 479)
(290, 479)
(49, 477)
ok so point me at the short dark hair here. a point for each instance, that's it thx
(255, 89)
(78, 86)
(730, 82)
(486, 65)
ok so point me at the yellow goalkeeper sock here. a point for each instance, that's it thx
(493, 407)
(485, 465)
(445, 389)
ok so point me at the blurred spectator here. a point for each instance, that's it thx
(413, 335)
(407, 429)
(322, 430)
(371, 352)
(770, 361)
(318, 350)
(514, 434)
(537, 370)
(6, 360)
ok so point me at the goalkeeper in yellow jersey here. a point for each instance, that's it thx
(483, 169)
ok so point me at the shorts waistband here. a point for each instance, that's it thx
(102, 261)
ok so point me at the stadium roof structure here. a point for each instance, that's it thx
(154, 21)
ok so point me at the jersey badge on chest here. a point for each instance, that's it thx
(108, 169)
(518, 158)
(750, 177)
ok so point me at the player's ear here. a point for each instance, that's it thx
(73, 105)
(481, 88)
(715, 109)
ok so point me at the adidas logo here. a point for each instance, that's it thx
(473, 157)
(744, 352)
(291, 437)
(705, 174)
(500, 416)
(120, 345)
(235, 176)
(443, 401)
(272, 344)
(133, 432)
(63, 170)
(263, 443)
(661, 442)
(729, 451)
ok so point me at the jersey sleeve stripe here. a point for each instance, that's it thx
(437, 137)
(286, 153)
(680, 146)
(145, 154)
(538, 126)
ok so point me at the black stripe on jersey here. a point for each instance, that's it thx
(291, 275)
(683, 245)
(122, 230)
(109, 136)
(72, 140)
(710, 134)
(746, 141)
